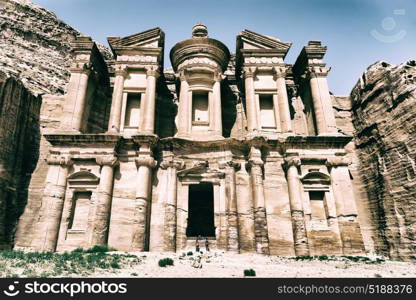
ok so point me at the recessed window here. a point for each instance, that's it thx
(317, 204)
(80, 211)
(267, 116)
(132, 118)
(200, 115)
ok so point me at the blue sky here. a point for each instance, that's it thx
(357, 32)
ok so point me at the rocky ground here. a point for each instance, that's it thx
(213, 264)
(219, 264)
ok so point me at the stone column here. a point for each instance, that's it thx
(104, 198)
(283, 100)
(171, 167)
(255, 164)
(184, 118)
(324, 112)
(216, 91)
(233, 242)
(145, 163)
(47, 228)
(148, 123)
(296, 208)
(251, 110)
(76, 97)
(117, 100)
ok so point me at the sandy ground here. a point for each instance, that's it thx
(219, 264)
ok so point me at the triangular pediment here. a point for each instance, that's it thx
(251, 41)
(152, 38)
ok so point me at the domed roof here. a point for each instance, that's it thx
(200, 46)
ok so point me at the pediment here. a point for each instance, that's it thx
(152, 38)
(316, 178)
(249, 40)
(83, 177)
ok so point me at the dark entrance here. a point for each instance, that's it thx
(201, 211)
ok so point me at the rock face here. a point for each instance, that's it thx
(19, 152)
(35, 46)
(384, 106)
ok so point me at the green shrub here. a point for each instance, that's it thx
(190, 253)
(165, 262)
(100, 249)
(249, 272)
(322, 257)
(306, 257)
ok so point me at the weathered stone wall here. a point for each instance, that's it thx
(19, 152)
(343, 114)
(384, 105)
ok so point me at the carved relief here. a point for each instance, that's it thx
(262, 60)
(137, 58)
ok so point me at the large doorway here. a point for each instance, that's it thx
(201, 211)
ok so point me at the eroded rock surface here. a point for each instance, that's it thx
(384, 106)
(35, 46)
(19, 152)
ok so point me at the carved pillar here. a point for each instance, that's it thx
(104, 198)
(283, 101)
(216, 91)
(346, 210)
(171, 168)
(296, 208)
(324, 113)
(76, 97)
(47, 228)
(184, 107)
(255, 164)
(117, 100)
(251, 110)
(145, 164)
(233, 244)
(148, 124)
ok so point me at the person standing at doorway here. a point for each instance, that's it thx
(197, 245)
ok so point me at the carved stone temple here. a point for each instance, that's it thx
(243, 149)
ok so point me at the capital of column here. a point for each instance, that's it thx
(337, 162)
(153, 71)
(107, 161)
(279, 72)
(249, 72)
(317, 71)
(80, 67)
(62, 160)
(176, 164)
(230, 164)
(291, 161)
(145, 161)
(120, 70)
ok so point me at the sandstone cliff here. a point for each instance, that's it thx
(19, 152)
(384, 106)
(34, 46)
